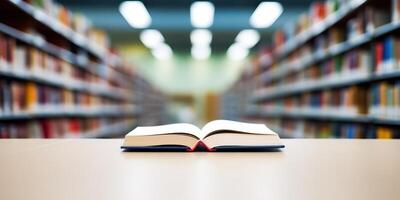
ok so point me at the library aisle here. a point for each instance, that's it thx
(79, 70)
(77, 76)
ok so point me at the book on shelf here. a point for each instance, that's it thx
(18, 97)
(395, 11)
(336, 35)
(387, 55)
(59, 127)
(376, 16)
(384, 100)
(217, 135)
(318, 11)
(75, 21)
(300, 128)
(279, 38)
(6, 97)
(31, 96)
(384, 133)
(356, 26)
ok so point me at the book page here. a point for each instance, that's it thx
(166, 129)
(221, 125)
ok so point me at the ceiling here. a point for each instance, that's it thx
(172, 18)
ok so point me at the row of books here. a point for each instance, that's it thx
(353, 65)
(347, 101)
(321, 129)
(152, 102)
(343, 66)
(62, 127)
(385, 100)
(380, 100)
(233, 101)
(75, 21)
(31, 63)
(28, 97)
(367, 19)
(20, 57)
(317, 13)
(357, 60)
(387, 55)
(35, 36)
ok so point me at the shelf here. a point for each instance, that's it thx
(282, 133)
(292, 89)
(386, 29)
(318, 56)
(335, 50)
(62, 112)
(321, 84)
(109, 131)
(115, 130)
(58, 81)
(323, 117)
(75, 60)
(319, 28)
(50, 24)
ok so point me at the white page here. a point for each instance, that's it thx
(217, 125)
(164, 129)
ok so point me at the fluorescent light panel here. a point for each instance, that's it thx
(266, 14)
(237, 52)
(201, 52)
(162, 52)
(135, 13)
(248, 38)
(201, 37)
(202, 14)
(151, 38)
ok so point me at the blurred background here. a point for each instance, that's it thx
(99, 68)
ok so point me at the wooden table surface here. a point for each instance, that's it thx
(98, 169)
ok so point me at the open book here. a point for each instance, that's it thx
(215, 135)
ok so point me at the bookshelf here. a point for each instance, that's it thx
(59, 77)
(36, 14)
(152, 103)
(336, 75)
(236, 100)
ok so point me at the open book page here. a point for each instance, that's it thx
(222, 125)
(166, 129)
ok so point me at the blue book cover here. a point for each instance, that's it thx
(388, 49)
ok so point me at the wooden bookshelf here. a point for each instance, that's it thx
(49, 24)
(59, 78)
(345, 11)
(338, 72)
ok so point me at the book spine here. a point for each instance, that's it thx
(395, 11)
(378, 57)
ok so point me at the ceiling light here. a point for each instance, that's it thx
(162, 52)
(237, 52)
(201, 37)
(202, 14)
(200, 52)
(151, 38)
(248, 38)
(266, 14)
(135, 13)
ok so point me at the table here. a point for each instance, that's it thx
(98, 169)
